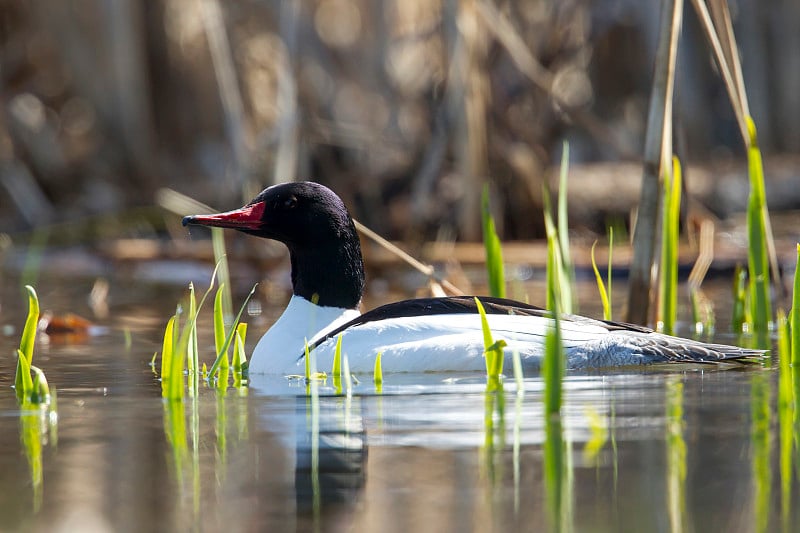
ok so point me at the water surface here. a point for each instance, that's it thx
(657, 449)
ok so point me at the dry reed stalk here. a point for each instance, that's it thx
(657, 153)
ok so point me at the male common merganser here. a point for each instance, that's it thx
(418, 335)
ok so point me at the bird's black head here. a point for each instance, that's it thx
(313, 222)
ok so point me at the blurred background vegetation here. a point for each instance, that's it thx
(404, 107)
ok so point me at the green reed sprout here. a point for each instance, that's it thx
(336, 370)
(30, 390)
(377, 374)
(219, 327)
(553, 364)
(669, 248)
(494, 251)
(493, 350)
(757, 256)
(601, 287)
(565, 264)
(239, 356)
(222, 353)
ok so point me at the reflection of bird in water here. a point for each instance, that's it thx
(331, 452)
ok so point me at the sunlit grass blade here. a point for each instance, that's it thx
(229, 338)
(221, 259)
(40, 390)
(192, 352)
(567, 272)
(167, 349)
(553, 362)
(377, 374)
(239, 355)
(29, 331)
(493, 350)
(494, 252)
(668, 309)
(219, 328)
(23, 384)
(757, 256)
(336, 370)
(601, 287)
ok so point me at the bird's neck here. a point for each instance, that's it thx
(330, 276)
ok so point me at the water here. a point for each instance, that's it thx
(658, 449)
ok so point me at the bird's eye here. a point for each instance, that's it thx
(290, 203)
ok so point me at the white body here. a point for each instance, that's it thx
(438, 343)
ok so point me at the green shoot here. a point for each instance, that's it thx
(223, 352)
(669, 248)
(219, 327)
(757, 256)
(556, 268)
(239, 355)
(336, 371)
(167, 349)
(40, 390)
(377, 374)
(193, 349)
(494, 252)
(553, 362)
(567, 272)
(493, 350)
(601, 287)
(218, 244)
(22, 381)
(307, 361)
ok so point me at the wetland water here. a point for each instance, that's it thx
(657, 449)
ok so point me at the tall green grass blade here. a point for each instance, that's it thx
(218, 244)
(192, 352)
(567, 272)
(601, 287)
(487, 337)
(553, 362)
(669, 248)
(494, 252)
(757, 257)
(224, 350)
(219, 327)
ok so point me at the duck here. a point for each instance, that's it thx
(440, 334)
